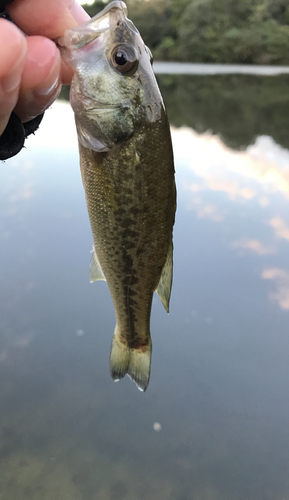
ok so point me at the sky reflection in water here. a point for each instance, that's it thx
(214, 420)
(254, 183)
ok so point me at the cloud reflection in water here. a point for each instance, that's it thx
(281, 278)
(219, 179)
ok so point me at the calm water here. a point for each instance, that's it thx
(213, 424)
(175, 68)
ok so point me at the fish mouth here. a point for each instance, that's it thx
(90, 30)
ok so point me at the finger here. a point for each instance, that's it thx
(66, 73)
(13, 50)
(46, 17)
(40, 82)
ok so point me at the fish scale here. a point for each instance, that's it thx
(127, 170)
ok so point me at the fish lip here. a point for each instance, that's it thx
(116, 5)
(92, 29)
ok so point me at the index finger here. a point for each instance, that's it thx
(48, 18)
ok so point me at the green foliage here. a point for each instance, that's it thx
(152, 21)
(223, 31)
(230, 31)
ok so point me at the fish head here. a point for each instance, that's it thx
(114, 90)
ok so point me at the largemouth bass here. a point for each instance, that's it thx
(127, 168)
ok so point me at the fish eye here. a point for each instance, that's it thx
(123, 58)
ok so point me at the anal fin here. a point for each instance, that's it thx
(95, 271)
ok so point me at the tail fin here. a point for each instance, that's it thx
(134, 362)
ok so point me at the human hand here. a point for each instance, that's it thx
(31, 68)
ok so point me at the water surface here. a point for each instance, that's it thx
(177, 68)
(213, 423)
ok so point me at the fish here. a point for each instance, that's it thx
(127, 168)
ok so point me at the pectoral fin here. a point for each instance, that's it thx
(95, 271)
(165, 284)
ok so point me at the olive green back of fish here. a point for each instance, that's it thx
(130, 194)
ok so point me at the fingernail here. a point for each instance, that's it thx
(78, 13)
(54, 93)
(49, 89)
(30, 111)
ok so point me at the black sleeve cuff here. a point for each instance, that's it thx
(14, 135)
